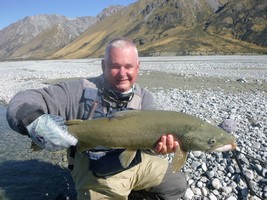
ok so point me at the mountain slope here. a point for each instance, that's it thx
(21, 38)
(158, 27)
(169, 27)
(38, 36)
(244, 20)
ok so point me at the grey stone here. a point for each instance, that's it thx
(216, 183)
(188, 194)
(231, 169)
(195, 164)
(197, 153)
(249, 174)
(228, 125)
(256, 145)
(231, 198)
(199, 184)
(190, 181)
(233, 185)
(204, 167)
(212, 197)
(196, 191)
(204, 179)
(258, 168)
(216, 192)
(227, 190)
(204, 191)
(210, 174)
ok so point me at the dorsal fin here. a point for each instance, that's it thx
(125, 114)
(73, 122)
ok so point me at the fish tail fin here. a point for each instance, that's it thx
(178, 160)
(126, 157)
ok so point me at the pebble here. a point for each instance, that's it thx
(189, 194)
(233, 185)
(199, 184)
(231, 169)
(256, 145)
(255, 198)
(252, 183)
(196, 191)
(203, 179)
(229, 125)
(264, 172)
(197, 153)
(231, 198)
(249, 174)
(227, 190)
(216, 192)
(204, 167)
(212, 197)
(210, 174)
(204, 191)
(190, 181)
(195, 164)
(216, 183)
(242, 112)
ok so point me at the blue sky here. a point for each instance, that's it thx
(14, 10)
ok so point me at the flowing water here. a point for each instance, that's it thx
(25, 174)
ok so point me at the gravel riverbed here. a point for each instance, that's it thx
(214, 88)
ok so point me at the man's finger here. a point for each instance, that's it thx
(158, 147)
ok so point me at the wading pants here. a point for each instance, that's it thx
(152, 176)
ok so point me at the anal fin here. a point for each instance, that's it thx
(178, 160)
(126, 157)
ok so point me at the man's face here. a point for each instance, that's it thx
(121, 69)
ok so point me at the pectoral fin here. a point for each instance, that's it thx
(178, 160)
(126, 157)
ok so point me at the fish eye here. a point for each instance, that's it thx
(212, 141)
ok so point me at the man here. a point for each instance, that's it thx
(97, 174)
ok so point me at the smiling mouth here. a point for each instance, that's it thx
(122, 81)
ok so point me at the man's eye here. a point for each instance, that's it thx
(129, 66)
(115, 67)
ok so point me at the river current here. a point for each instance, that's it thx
(26, 174)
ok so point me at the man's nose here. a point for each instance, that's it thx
(122, 71)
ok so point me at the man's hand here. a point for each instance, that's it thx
(166, 144)
(49, 132)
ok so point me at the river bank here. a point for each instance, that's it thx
(210, 87)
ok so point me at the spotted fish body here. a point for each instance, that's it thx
(137, 129)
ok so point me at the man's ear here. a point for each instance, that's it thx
(138, 66)
(103, 64)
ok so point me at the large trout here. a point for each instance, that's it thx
(137, 129)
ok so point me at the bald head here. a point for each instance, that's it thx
(120, 42)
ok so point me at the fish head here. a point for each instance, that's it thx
(207, 138)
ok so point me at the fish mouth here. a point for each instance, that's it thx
(227, 147)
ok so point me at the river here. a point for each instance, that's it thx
(27, 174)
